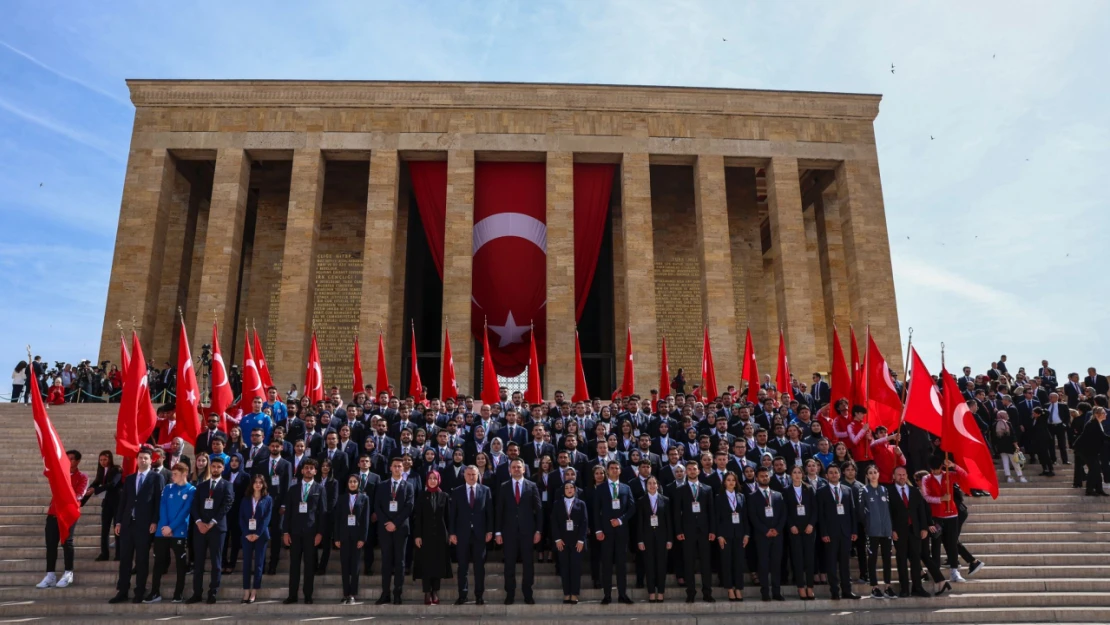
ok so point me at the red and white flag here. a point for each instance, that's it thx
(187, 391)
(221, 396)
(581, 393)
(314, 374)
(450, 386)
(962, 438)
(490, 394)
(884, 407)
(841, 376)
(859, 376)
(923, 405)
(382, 381)
(252, 379)
(782, 374)
(263, 366)
(56, 466)
(628, 382)
(359, 387)
(534, 393)
(751, 371)
(416, 388)
(708, 371)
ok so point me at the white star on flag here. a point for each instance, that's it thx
(510, 332)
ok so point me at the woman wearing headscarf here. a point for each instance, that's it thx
(432, 562)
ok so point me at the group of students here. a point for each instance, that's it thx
(777, 492)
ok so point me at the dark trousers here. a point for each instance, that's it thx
(53, 537)
(275, 543)
(471, 550)
(350, 561)
(1059, 434)
(734, 564)
(838, 564)
(570, 569)
(696, 548)
(212, 545)
(520, 546)
(324, 551)
(163, 546)
(878, 543)
(768, 555)
(233, 543)
(802, 557)
(429, 583)
(909, 555)
(654, 558)
(1094, 474)
(134, 555)
(368, 548)
(17, 390)
(859, 548)
(393, 558)
(302, 552)
(950, 538)
(254, 558)
(594, 549)
(614, 551)
(107, 516)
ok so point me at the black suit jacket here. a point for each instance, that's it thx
(699, 525)
(902, 517)
(204, 441)
(1099, 382)
(342, 530)
(297, 523)
(223, 497)
(283, 470)
(757, 514)
(1073, 392)
(829, 523)
(559, 519)
(822, 393)
(340, 468)
(142, 505)
(528, 454)
(406, 500)
(663, 514)
(808, 503)
(468, 523)
(725, 528)
(518, 520)
(1091, 440)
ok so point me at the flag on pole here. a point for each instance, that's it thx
(187, 391)
(490, 393)
(884, 407)
(664, 373)
(751, 371)
(450, 387)
(628, 382)
(534, 394)
(962, 438)
(782, 374)
(124, 357)
(581, 393)
(708, 371)
(56, 467)
(841, 376)
(314, 374)
(382, 383)
(923, 405)
(252, 379)
(416, 389)
(859, 383)
(359, 386)
(221, 397)
(263, 366)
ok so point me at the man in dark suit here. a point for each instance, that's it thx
(136, 520)
(1072, 390)
(519, 521)
(211, 503)
(1089, 446)
(1059, 420)
(302, 529)
(613, 513)
(277, 472)
(535, 450)
(368, 485)
(837, 521)
(256, 452)
(693, 521)
(821, 392)
(767, 514)
(1094, 379)
(393, 505)
(966, 382)
(910, 521)
(204, 441)
(331, 452)
(470, 523)
(1025, 405)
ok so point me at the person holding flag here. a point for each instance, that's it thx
(80, 483)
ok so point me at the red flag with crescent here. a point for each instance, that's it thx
(314, 374)
(708, 371)
(534, 394)
(450, 386)
(55, 466)
(510, 260)
(884, 407)
(252, 379)
(221, 397)
(263, 366)
(358, 384)
(383, 376)
(964, 440)
(416, 387)
(923, 407)
(841, 377)
(187, 390)
(782, 373)
(490, 387)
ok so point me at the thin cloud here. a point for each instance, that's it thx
(85, 139)
(67, 77)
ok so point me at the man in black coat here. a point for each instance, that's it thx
(613, 514)
(1098, 381)
(303, 528)
(821, 392)
(368, 485)
(204, 441)
(1089, 447)
(211, 503)
(394, 501)
(519, 521)
(136, 520)
(277, 472)
(694, 525)
(767, 514)
(910, 521)
(534, 451)
(470, 524)
(837, 521)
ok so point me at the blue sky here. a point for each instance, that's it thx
(997, 224)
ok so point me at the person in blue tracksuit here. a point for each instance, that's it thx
(255, 510)
(172, 532)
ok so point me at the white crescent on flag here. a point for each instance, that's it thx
(318, 375)
(961, 426)
(257, 378)
(510, 225)
(934, 397)
(217, 358)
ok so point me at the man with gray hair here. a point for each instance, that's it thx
(470, 527)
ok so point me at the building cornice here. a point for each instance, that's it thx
(501, 96)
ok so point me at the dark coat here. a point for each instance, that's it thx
(430, 526)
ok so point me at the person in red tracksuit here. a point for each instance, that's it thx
(937, 489)
(887, 455)
(859, 439)
(80, 483)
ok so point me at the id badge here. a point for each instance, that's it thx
(797, 462)
(735, 518)
(801, 510)
(536, 463)
(351, 520)
(209, 504)
(393, 506)
(303, 508)
(250, 463)
(544, 496)
(252, 525)
(769, 512)
(616, 504)
(654, 521)
(840, 508)
(570, 526)
(695, 508)
(275, 480)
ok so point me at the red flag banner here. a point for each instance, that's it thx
(923, 406)
(263, 366)
(416, 389)
(859, 379)
(221, 397)
(664, 373)
(628, 381)
(252, 379)
(56, 466)
(884, 407)
(357, 383)
(187, 391)
(314, 374)
(450, 386)
(534, 394)
(490, 393)
(751, 371)
(782, 373)
(708, 371)
(841, 377)
(581, 393)
(382, 383)
(962, 438)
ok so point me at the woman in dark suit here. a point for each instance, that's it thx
(800, 500)
(240, 482)
(591, 491)
(331, 489)
(732, 535)
(654, 529)
(108, 481)
(569, 531)
(350, 529)
(429, 531)
(254, 519)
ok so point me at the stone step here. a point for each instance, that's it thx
(1007, 536)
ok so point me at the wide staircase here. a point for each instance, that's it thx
(1046, 546)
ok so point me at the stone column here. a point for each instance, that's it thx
(377, 256)
(792, 281)
(715, 250)
(559, 368)
(298, 268)
(175, 271)
(821, 328)
(219, 281)
(834, 277)
(458, 266)
(747, 255)
(867, 256)
(639, 273)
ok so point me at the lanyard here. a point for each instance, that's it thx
(254, 506)
(304, 491)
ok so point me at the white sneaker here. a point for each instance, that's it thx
(1009, 479)
(956, 578)
(1023, 480)
(67, 579)
(48, 581)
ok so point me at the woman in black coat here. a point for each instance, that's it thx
(569, 532)
(429, 531)
(589, 495)
(331, 489)
(654, 529)
(108, 481)
(350, 529)
(800, 501)
(732, 535)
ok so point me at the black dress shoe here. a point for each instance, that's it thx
(479, 601)
(529, 601)
(119, 598)
(920, 592)
(943, 589)
(308, 600)
(382, 600)
(852, 595)
(509, 600)
(138, 598)
(193, 599)
(778, 597)
(606, 600)
(396, 599)
(461, 600)
(102, 557)
(764, 598)
(289, 601)
(625, 599)
(835, 597)
(903, 594)
(709, 599)
(689, 598)
(212, 599)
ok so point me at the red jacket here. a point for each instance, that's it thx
(933, 488)
(887, 458)
(857, 441)
(80, 483)
(56, 396)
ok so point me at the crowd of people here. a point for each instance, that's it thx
(88, 382)
(706, 495)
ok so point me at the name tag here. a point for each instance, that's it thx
(393, 506)
(769, 512)
(654, 521)
(252, 525)
(616, 504)
(695, 507)
(351, 520)
(801, 510)
(840, 508)
(209, 504)
(543, 496)
(570, 525)
(797, 462)
(303, 507)
(250, 463)
(275, 480)
(294, 482)
(735, 518)
(536, 463)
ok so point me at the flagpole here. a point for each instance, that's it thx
(906, 369)
(947, 454)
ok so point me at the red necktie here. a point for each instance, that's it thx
(516, 486)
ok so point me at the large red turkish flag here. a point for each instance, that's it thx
(314, 374)
(708, 371)
(510, 260)
(782, 374)
(751, 371)
(359, 386)
(188, 392)
(449, 385)
(55, 465)
(252, 380)
(884, 407)
(221, 397)
(841, 377)
(923, 407)
(263, 367)
(964, 440)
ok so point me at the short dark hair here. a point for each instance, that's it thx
(76, 454)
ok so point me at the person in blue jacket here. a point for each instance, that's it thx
(172, 532)
(254, 518)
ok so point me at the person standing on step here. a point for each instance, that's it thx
(109, 481)
(836, 522)
(173, 520)
(350, 530)
(519, 520)
(909, 522)
(277, 471)
(937, 487)
(432, 560)
(875, 511)
(694, 528)
(767, 514)
(211, 503)
(255, 511)
(136, 521)
(569, 529)
(614, 514)
(302, 530)
(656, 538)
(393, 505)
(470, 521)
(1088, 447)
(80, 483)
(732, 535)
